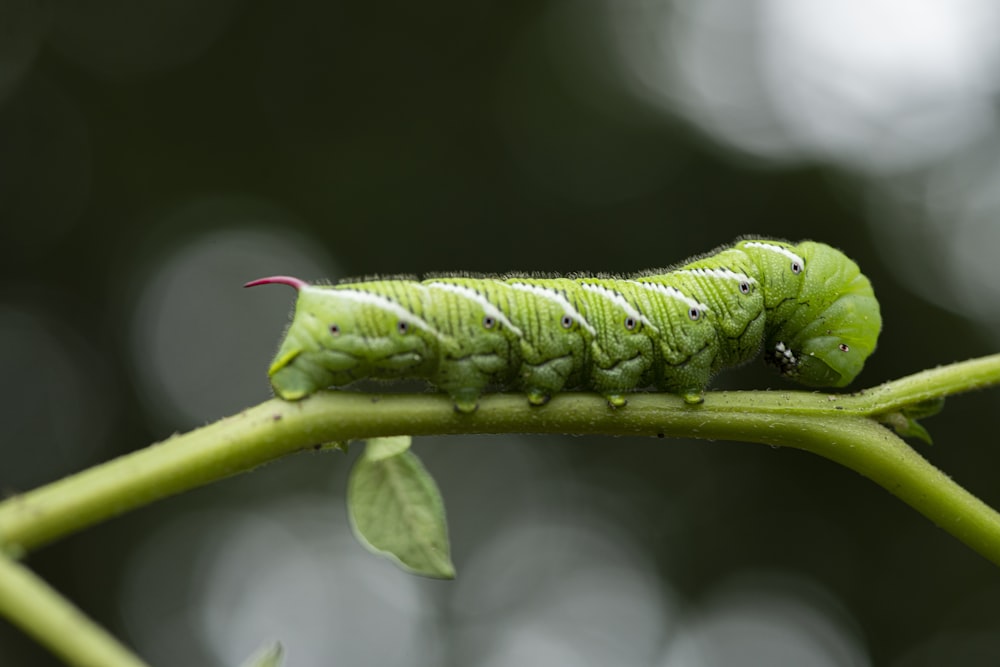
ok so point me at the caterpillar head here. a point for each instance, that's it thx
(823, 334)
(339, 335)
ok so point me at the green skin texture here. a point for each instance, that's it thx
(810, 308)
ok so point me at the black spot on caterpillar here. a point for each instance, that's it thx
(807, 305)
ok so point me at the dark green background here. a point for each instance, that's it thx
(406, 137)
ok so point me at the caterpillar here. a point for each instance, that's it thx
(807, 305)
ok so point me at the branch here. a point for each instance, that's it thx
(840, 427)
(41, 612)
(843, 428)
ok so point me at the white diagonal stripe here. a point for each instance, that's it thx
(672, 293)
(725, 274)
(555, 296)
(484, 303)
(379, 301)
(620, 301)
(778, 249)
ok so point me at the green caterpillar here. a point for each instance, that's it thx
(808, 305)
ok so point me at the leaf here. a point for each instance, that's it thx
(271, 655)
(906, 427)
(382, 448)
(904, 421)
(396, 509)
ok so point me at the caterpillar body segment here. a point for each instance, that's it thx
(807, 305)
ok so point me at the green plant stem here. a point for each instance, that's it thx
(41, 612)
(843, 428)
(829, 425)
(934, 383)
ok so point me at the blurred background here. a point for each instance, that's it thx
(156, 154)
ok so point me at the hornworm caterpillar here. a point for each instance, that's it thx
(807, 305)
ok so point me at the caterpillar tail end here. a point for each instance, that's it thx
(289, 383)
(278, 280)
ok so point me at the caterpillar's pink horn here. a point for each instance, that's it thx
(278, 280)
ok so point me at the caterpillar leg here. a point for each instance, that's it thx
(466, 400)
(693, 397)
(541, 381)
(538, 396)
(616, 400)
(623, 375)
(464, 380)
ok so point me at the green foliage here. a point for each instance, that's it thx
(905, 420)
(270, 655)
(396, 509)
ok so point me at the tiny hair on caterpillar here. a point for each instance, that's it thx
(807, 305)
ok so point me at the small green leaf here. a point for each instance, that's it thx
(925, 408)
(906, 427)
(271, 655)
(383, 448)
(396, 509)
(904, 421)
